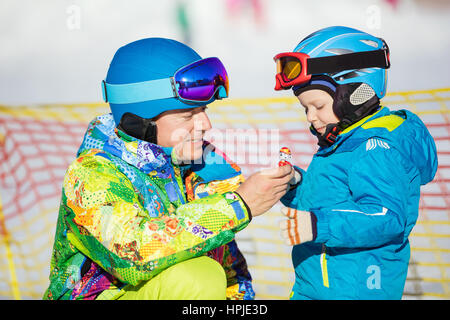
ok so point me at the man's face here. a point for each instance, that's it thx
(183, 130)
(318, 105)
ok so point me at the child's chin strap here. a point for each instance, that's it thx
(329, 137)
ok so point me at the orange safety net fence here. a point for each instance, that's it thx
(37, 143)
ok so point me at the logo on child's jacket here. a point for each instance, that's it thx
(373, 143)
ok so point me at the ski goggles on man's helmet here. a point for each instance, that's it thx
(199, 82)
(295, 68)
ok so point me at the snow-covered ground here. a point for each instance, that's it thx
(59, 51)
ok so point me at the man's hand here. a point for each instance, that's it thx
(265, 188)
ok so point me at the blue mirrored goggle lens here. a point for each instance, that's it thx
(200, 80)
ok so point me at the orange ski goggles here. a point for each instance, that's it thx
(295, 68)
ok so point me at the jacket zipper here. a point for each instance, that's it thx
(178, 185)
(323, 266)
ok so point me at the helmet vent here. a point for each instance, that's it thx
(367, 70)
(370, 43)
(338, 51)
(301, 48)
(348, 75)
(361, 94)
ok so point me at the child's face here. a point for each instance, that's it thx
(318, 105)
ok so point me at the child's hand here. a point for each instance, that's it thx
(285, 158)
(300, 227)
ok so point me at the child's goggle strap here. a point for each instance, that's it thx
(296, 67)
(349, 61)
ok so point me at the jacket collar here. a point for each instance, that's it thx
(349, 131)
(148, 157)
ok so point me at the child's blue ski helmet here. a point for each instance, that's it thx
(339, 40)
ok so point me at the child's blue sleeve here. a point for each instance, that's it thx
(290, 198)
(376, 212)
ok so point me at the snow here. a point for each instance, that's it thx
(59, 51)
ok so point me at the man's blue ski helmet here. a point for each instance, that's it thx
(144, 60)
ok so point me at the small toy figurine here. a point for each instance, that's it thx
(285, 157)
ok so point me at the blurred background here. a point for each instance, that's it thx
(54, 55)
(59, 51)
